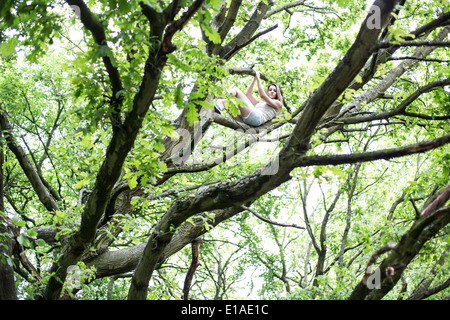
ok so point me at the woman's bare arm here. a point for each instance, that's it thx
(249, 93)
(276, 104)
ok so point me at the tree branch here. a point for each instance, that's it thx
(245, 71)
(293, 225)
(442, 20)
(194, 264)
(33, 177)
(373, 155)
(239, 46)
(443, 197)
(229, 50)
(91, 23)
(179, 24)
(284, 7)
(389, 79)
(384, 45)
(399, 110)
(230, 18)
(338, 81)
(124, 260)
(418, 59)
(392, 267)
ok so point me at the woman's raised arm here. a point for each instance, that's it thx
(249, 93)
(276, 104)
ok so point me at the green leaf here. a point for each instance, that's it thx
(134, 201)
(162, 166)
(18, 222)
(337, 172)
(343, 3)
(159, 147)
(103, 51)
(358, 79)
(86, 142)
(8, 48)
(178, 96)
(81, 183)
(155, 6)
(211, 34)
(24, 241)
(178, 63)
(40, 242)
(192, 115)
(132, 183)
(32, 234)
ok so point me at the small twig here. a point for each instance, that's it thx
(418, 59)
(384, 44)
(246, 43)
(415, 208)
(270, 221)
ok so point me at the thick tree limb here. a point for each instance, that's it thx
(120, 145)
(338, 81)
(91, 23)
(230, 19)
(230, 49)
(399, 110)
(179, 24)
(211, 198)
(392, 267)
(373, 155)
(8, 289)
(124, 260)
(194, 264)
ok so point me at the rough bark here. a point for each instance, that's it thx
(7, 281)
(124, 260)
(226, 198)
(122, 140)
(194, 265)
(252, 187)
(401, 254)
(424, 290)
(338, 81)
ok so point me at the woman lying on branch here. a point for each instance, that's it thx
(255, 112)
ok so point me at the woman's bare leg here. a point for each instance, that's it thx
(244, 110)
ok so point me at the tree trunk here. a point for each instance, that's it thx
(7, 281)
